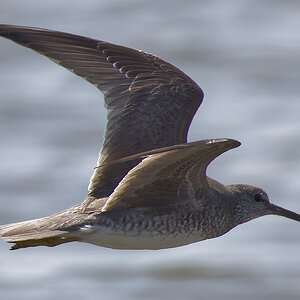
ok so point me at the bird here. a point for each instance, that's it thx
(149, 189)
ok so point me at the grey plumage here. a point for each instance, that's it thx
(150, 102)
(149, 189)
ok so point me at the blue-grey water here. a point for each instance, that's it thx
(245, 54)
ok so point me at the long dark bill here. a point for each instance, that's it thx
(277, 210)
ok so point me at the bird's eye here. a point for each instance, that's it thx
(258, 198)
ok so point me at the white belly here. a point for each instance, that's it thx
(105, 237)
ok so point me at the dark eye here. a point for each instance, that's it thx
(258, 198)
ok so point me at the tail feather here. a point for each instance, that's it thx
(49, 242)
(22, 237)
(42, 232)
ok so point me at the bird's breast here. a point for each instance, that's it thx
(152, 230)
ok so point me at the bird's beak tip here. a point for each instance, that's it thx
(280, 211)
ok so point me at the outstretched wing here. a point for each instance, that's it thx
(150, 102)
(168, 175)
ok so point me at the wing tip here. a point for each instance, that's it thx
(231, 142)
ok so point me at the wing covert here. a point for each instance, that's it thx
(150, 103)
(168, 175)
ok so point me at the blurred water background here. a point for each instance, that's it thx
(245, 56)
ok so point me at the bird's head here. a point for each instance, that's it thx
(251, 202)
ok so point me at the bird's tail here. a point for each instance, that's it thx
(41, 232)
